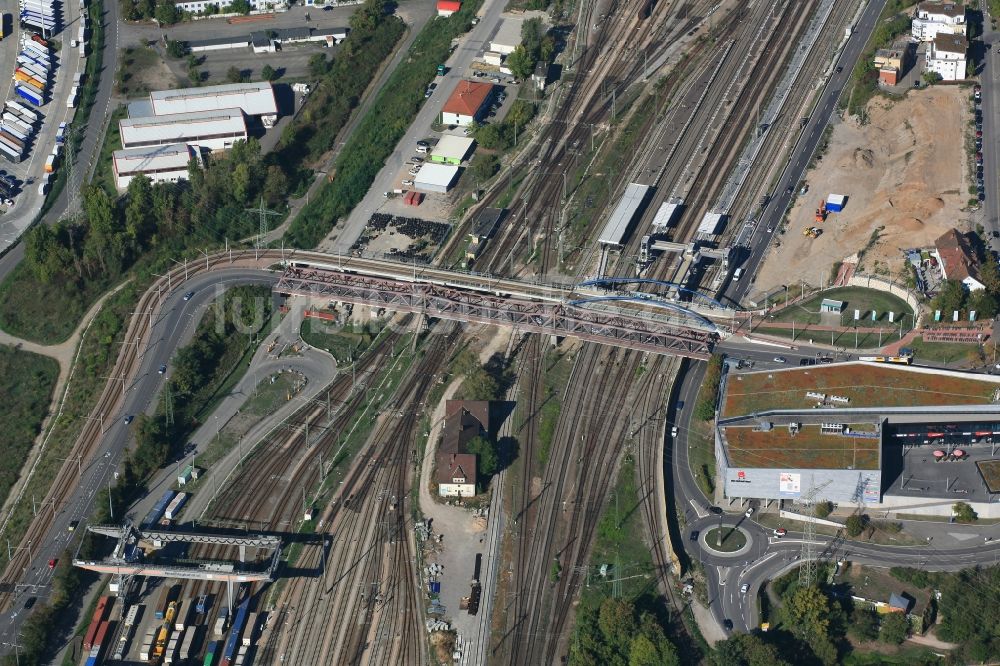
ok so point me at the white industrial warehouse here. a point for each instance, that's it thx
(181, 123)
(435, 178)
(254, 99)
(167, 163)
(211, 130)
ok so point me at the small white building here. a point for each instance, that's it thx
(160, 164)
(212, 130)
(196, 6)
(435, 178)
(507, 37)
(946, 57)
(451, 149)
(935, 17)
(254, 99)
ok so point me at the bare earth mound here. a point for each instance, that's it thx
(903, 171)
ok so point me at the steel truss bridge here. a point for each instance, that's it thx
(484, 300)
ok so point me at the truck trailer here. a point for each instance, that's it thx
(30, 95)
(23, 110)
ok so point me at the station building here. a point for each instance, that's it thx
(896, 437)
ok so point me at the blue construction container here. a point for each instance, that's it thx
(835, 203)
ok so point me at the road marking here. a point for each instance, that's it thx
(697, 508)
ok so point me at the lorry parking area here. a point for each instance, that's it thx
(39, 103)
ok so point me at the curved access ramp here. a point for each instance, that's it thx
(655, 301)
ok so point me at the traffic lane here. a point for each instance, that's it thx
(98, 470)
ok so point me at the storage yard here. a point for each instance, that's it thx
(906, 175)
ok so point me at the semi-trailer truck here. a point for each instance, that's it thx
(23, 110)
(28, 94)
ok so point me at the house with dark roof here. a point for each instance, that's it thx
(464, 420)
(958, 259)
(466, 103)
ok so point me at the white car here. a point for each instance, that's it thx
(748, 512)
(780, 359)
(407, 183)
(673, 432)
(744, 587)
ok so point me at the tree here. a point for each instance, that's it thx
(137, 211)
(521, 63)
(864, 624)
(176, 48)
(239, 7)
(275, 185)
(167, 13)
(823, 509)
(367, 18)
(808, 609)
(267, 73)
(964, 513)
(484, 166)
(194, 75)
(532, 32)
(983, 303)
(487, 460)
(746, 650)
(234, 75)
(895, 628)
(856, 524)
(950, 298)
(989, 275)
(521, 112)
(144, 8)
(318, 65)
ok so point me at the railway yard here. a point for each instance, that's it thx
(315, 548)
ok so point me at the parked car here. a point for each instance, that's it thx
(407, 183)
(748, 512)
(694, 535)
(423, 143)
(780, 532)
(780, 359)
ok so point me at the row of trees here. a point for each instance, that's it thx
(535, 46)
(166, 217)
(501, 136)
(166, 12)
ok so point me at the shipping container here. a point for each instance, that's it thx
(13, 131)
(91, 661)
(18, 123)
(186, 644)
(160, 605)
(23, 110)
(221, 621)
(33, 88)
(36, 50)
(251, 626)
(10, 154)
(25, 59)
(38, 71)
(71, 98)
(156, 512)
(234, 633)
(25, 76)
(95, 622)
(11, 146)
(213, 647)
(102, 635)
(202, 604)
(12, 140)
(50, 162)
(174, 508)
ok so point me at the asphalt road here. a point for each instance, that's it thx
(802, 153)
(391, 174)
(175, 324)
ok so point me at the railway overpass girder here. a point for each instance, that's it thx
(455, 303)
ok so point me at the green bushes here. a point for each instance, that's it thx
(705, 409)
(341, 83)
(381, 129)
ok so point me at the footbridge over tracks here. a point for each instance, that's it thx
(558, 310)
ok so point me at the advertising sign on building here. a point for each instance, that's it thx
(789, 484)
(870, 495)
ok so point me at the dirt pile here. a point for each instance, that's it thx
(904, 174)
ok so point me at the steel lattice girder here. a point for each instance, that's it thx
(484, 308)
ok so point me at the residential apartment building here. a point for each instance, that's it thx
(946, 56)
(935, 17)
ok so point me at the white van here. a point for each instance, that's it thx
(737, 274)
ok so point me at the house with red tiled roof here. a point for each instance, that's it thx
(448, 7)
(464, 420)
(958, 259)
(466, 103)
